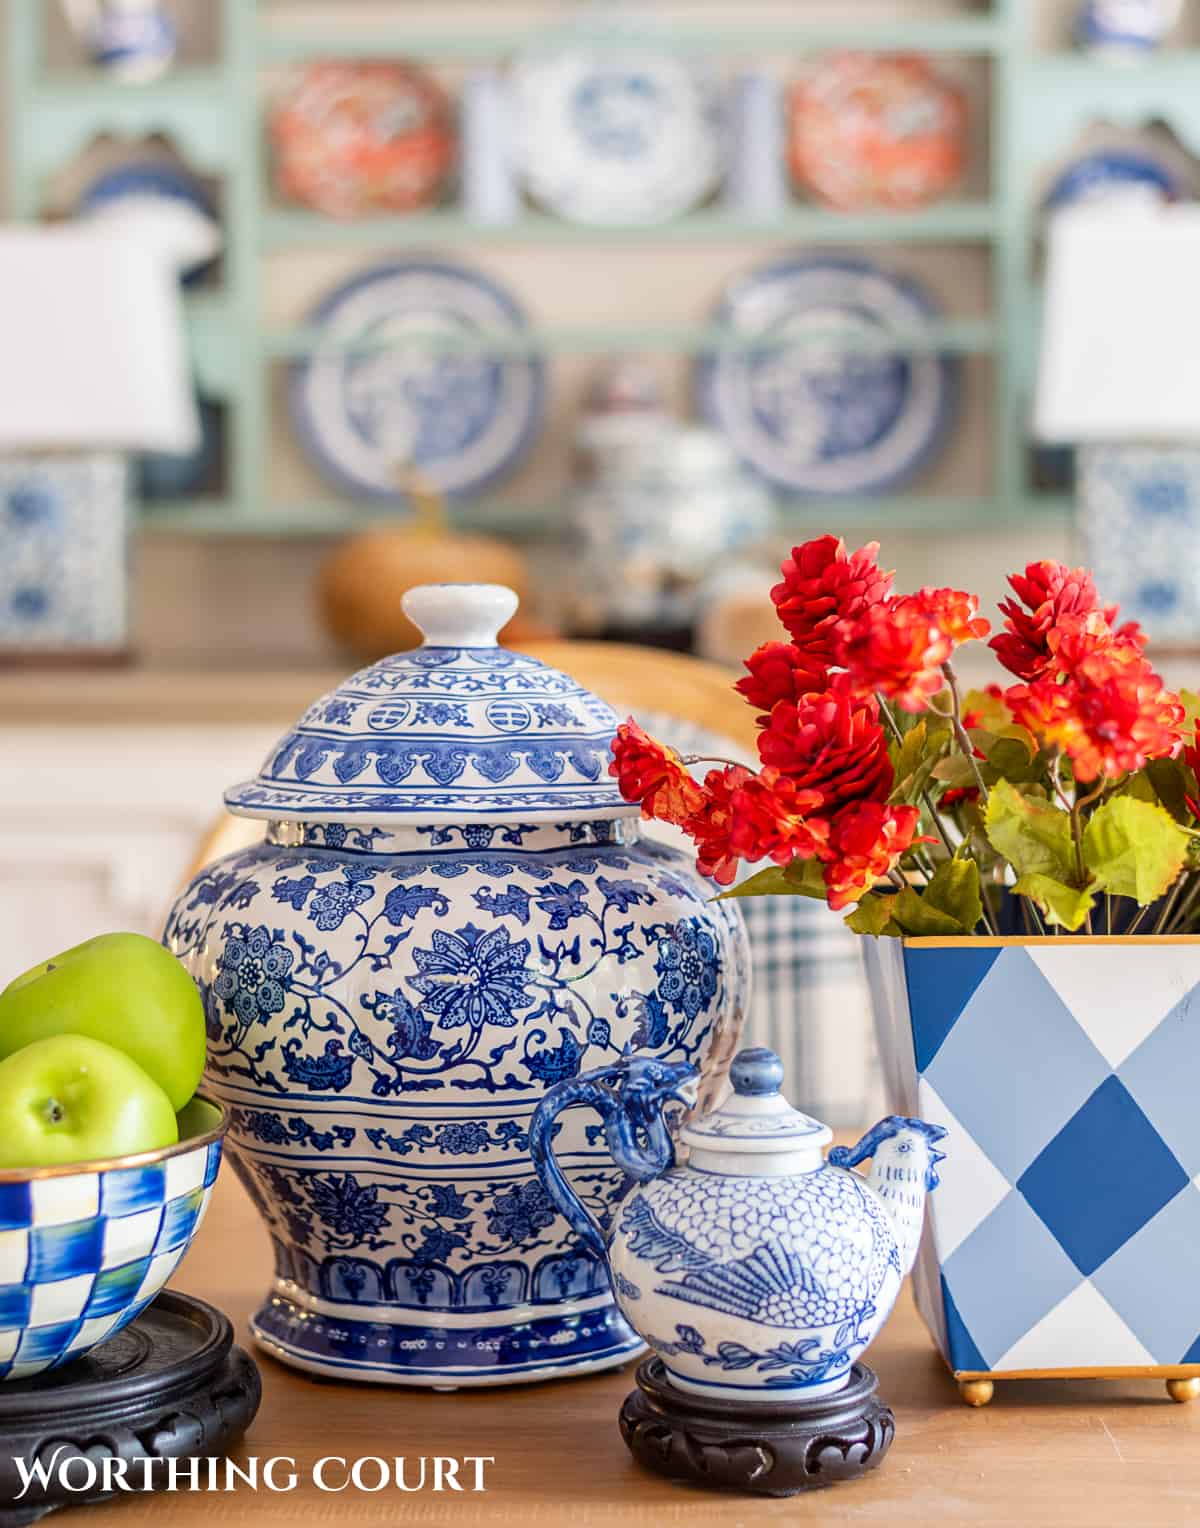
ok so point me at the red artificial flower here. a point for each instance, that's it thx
(955, 613)
(960, 795)
(897, 649)
(824, 591)
(649, 772)
(751, 817)
(830, 742)
(1110, 713)
(712, 822)
(867, 842)
(1049, 591)
(780, 671)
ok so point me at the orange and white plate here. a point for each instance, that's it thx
(870, 130)
(354, 137)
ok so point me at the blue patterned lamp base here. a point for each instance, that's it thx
(508, 1352)
(64, 576)
(1139, 511)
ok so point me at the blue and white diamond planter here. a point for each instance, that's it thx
(1065, 1238)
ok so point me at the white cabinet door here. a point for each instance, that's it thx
(99, 824)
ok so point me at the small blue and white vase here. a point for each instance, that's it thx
(131, 40)
(1125, 28)
(758, 1271)
(452, 911)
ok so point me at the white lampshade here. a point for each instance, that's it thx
(1120, 344)
(93, 351)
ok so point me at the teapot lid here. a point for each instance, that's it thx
(458, 729)
(755, 1117)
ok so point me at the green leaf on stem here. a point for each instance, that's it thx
(988, 711)
(873, 915)
(1033, 836)
(802, 878)
(915, 914)
(1171, 781)
(1065, 906)
(1133, 848)
(955, 771)
(1014, 755)
(950, 904)
(914, 758)
(954, 890)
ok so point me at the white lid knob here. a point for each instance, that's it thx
(460, 615)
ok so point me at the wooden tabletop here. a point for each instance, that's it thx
(1051, 1452)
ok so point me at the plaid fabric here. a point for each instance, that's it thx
(810, 1003)
(82, 1254)
(1067, 1222)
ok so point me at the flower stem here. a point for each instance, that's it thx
(1189, 905)
(1168, 906)
(960, 732)
(889, 722)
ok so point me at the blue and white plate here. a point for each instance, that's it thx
(810, 415)
(375, 396)
(613, 136)
(1130, 174)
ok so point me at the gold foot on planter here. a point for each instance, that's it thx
(1184, 1390)
(978, 1392)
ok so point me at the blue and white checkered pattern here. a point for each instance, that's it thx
(809, 1000)
(81, 1254)
(1067, 1224)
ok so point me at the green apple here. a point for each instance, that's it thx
(124, 989)
(197, 1118)
(69, 1099)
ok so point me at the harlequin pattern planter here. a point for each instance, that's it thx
(387, 1001)
(1065, 1238)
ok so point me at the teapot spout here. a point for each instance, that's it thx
(903, 1171)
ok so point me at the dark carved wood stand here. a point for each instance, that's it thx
(170, 1385)
(770, 1450)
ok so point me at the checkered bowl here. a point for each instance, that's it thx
(84, 1248)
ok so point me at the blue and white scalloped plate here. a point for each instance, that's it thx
(610, 136)
(1108, 174)
(376, 397)
(815, 416)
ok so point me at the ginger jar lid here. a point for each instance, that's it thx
(458, 729)
(755, 1119)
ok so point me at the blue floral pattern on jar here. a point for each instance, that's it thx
(385, 1004)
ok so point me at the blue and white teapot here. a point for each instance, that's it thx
(760, 1271)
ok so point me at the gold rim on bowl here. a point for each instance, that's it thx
(138, 1159)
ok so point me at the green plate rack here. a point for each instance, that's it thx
(1038, 102)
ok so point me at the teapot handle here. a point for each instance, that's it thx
(629, 1096)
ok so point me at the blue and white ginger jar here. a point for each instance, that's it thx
(452, 911)
(759, 1271)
